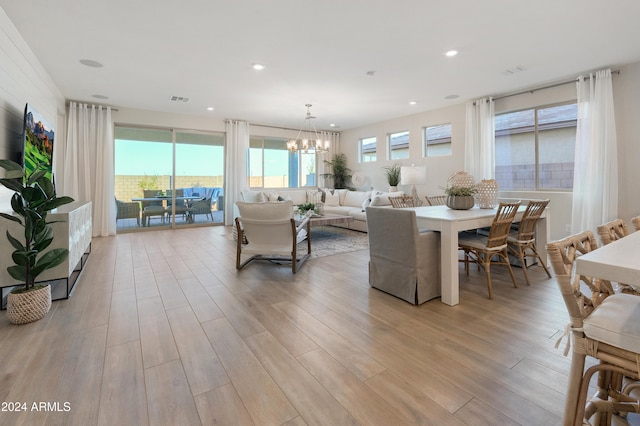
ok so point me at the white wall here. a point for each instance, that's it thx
(23, 80)
(626, 86)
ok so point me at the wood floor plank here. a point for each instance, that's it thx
(361, 401)
(156, 338)
(202, 304)
(81, 376)
(123, 397)
(168, 396)
(123, 318)
(314, 403)
(241, 319)
(355, 360)
(263, 398)
(222, 406)
(201, 365)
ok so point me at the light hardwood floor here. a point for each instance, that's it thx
(162, 330)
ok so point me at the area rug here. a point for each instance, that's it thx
(330, 240)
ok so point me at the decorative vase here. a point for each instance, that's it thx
(30, 306)
(460, 202)
(487, 195)
(393, 189)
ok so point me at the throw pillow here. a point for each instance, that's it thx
(314, 197)
(272, 196)
(355, 198)
(253, 196)
(331, 199)
(366, 203)
(280, 198)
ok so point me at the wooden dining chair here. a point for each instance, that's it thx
(636, 222)
(482, 250)
(603, 325)
(522, 243)
(436, 200)
(612, 231)
(403, 201)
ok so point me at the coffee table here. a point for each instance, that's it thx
(330, 219)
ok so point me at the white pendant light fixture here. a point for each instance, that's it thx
(311, 140)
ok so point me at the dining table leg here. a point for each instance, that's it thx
(449, 265)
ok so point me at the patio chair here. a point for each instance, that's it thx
(152, 208)
(482, 250)
(604, 326)
(272, 234)
(436, 200)
(180, 206)
(403, 261)
(200, 207)
(128, 210)
(522, 243)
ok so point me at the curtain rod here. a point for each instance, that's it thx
(495, 98)
(275, 127)
(78, 102)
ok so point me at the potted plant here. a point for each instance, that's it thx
(392, 174)
(460, 197)
(32, 200)
(339, 172)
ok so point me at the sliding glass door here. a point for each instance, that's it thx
(168, 178)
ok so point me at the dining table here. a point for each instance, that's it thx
(449, 222)
(618, 261)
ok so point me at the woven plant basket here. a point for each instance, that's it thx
(23, 308)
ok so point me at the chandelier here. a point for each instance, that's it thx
(312, 141)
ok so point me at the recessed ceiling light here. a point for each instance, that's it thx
(412, 102)
(451, 53)
(91, 63)
(452, 97)
(332, 125)
(210, 108)
(258, 67)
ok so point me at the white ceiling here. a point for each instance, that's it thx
(319, 52)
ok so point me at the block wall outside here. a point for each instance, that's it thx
(128, 186)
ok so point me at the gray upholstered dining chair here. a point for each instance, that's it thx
(403, 261)
(152, 208)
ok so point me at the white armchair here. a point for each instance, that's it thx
(272, 234)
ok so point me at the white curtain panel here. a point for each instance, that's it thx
(595, 177)
(88, 167)
(237, 159)
(334, 140)
(479, 154)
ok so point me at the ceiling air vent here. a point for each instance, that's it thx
(179, 99)
(514, 70)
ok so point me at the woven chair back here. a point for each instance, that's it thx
(437, 200)
(636, 222)
(527, 226)
(403, 201)
(501, 225)
(612, 231)
(563, 254)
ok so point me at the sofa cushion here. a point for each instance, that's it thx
(355, 198)
(272, 196)
(297, 196)
(382, 198)
(331, 199)
(253, 197)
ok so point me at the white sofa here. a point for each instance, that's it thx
(338, 201)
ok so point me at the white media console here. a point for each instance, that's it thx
(72, 231)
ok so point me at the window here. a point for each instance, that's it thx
(398, 145)
(437, 140)
(156, 161)
(535, 148)
(367, 150)
(272, 165)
